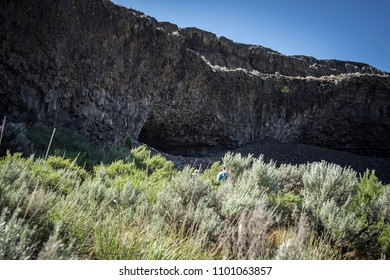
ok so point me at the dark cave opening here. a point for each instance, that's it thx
(164, 143)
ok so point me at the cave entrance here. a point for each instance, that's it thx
(166, 143)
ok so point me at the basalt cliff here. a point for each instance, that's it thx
(112, 72)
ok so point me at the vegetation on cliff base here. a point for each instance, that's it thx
(142, 207)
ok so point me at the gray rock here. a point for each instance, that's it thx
(120, 73)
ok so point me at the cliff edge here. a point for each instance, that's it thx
(112, 72)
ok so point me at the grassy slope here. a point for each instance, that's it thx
(132, 205)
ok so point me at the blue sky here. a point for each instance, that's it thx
(333, 29)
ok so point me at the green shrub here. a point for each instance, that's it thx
(371, 203)
(94, 217)
(383, 204)
(118, 173)
(337, 220)
(130, 197)
(61, 163)
(237, 197)
(236, 163)
(15, 181)
(289, 207)
(188, 203)
(158, 163)
(251, 185)
(210, 174)
(368, 192)
(325, 181)
(16, 237)
(141, 207)
(21, 192)
(328, 191)
(55, 174)
(118, 169)
(55, 248)
(384, 240)
(285, 90)
(160, 172)
(139, 169)
(290, 177)
(139, 156)
(288, 199)
(61, 180)
(264, 175)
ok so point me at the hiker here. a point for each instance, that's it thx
(223, 175)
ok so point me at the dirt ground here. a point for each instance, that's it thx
(299, 154)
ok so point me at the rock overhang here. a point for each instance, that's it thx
(190, 88)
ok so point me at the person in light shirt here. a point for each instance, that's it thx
(223, 175)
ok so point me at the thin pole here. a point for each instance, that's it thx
(51, 140)
(2, 129)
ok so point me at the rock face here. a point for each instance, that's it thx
(112, 72)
